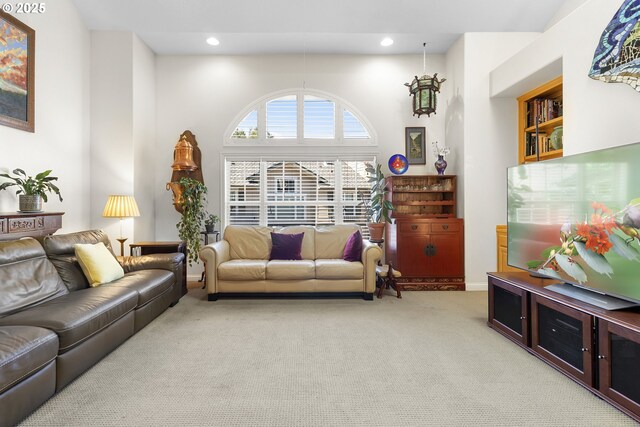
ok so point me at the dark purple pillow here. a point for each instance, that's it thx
(353, 248)
(286, 246)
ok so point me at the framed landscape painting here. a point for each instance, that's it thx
(17, 52)
(415, 145)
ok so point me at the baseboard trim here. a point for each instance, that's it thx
(477, 286)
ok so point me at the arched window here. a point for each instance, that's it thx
(304, 117)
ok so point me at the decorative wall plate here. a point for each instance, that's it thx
(398, 164)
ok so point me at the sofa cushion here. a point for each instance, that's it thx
(308, 242)
(353, 248)
(291, 270)
(24, 350)
(78, 315)
(60, 250)
(338, 269)
(250, 242)
(148, 283)
(27, 277)
(243, 269)
(98, 263)
(331, 240)
(286, 246)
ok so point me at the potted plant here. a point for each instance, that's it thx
(377, 207)
(31, 190)
(194, 195)
(210, 222)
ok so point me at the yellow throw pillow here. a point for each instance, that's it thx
(97, 263)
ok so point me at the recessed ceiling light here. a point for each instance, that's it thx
(213, 41)
(386, 42)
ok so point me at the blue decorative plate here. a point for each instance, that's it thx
(398, 164)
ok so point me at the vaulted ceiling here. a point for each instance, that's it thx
(320, 26)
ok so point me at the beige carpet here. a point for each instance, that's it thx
(425, 360)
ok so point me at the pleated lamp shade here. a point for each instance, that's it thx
(119, 206)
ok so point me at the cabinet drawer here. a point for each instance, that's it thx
(414, 227)
(439, 227)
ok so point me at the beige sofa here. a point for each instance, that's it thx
(239, 264)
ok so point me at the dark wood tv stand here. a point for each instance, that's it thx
(597, 348)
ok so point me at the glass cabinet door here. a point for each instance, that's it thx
(508, 310)
(619, 364)
(563, 336)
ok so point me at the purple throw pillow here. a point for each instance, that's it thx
(286, 246)
(353, 248)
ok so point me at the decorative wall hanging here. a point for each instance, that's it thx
(17, 73)
(424, 89)
(415, 146)
(187, 163)
(617, 57)
(398, 164)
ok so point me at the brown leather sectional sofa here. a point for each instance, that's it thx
(53, 326)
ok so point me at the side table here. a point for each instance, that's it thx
(148, 248)
(386, 275)
(206, 235)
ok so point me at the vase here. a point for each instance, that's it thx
(30, 203)
(376, 231)
(555, 139)
(441, 165)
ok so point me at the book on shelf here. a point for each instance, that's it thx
(544, 108)
(531, 144)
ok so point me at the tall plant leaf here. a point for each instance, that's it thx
(594, 260)
(622, 248)
(571, 267)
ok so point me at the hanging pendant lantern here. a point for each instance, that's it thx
(424, 89)
(183, 156)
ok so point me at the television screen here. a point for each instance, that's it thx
(577, 219)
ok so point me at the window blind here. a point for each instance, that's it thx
(296, 192)
(282, 117)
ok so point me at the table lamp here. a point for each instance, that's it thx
(119, 206)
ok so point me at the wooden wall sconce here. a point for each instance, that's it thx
(187, 163)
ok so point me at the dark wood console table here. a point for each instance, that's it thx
(597, 348)
(14, 225)
(148, 248)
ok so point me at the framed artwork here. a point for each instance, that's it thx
(414, 139)
(17, 71)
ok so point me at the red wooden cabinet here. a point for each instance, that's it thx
(428, 252)
(426, 243)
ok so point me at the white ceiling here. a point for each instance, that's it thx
(318, 26)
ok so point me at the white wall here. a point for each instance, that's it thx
(61, 138)
(122, 130)
(490, 146)
(453, 98)
(112, 166)
(144, 138)
(596, 114)
(205, 93)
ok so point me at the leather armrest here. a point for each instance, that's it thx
(213, 255)
(371, 254)
(171, 262)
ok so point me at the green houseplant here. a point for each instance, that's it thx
(194, 196)
(378, 208)
(31, 190)
(210, 222)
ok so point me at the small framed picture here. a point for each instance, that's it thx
(414, 139)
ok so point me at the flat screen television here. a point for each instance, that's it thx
(576, 219)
